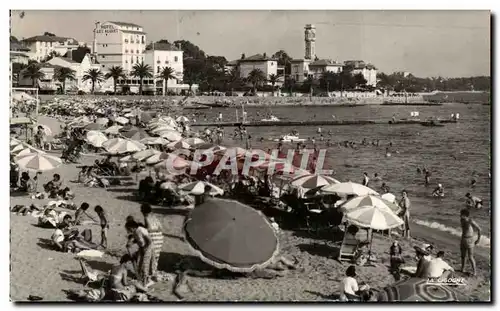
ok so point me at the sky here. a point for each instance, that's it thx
(425, 43)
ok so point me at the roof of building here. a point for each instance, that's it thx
(50, 39)
(324, 62)
(300, 60)
(257, 58)
(162, 47)
(69, 60)
(133, 31)
(125, 24)
(14, 46)
(232, 63)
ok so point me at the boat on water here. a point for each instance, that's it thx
(431, 123)
(271, 119)
(290, 138)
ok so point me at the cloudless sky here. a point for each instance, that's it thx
(425, 43)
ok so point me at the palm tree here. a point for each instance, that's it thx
(256, 77)
(94, 75)
(62, 74)
(33, 72)
(273, 79)
(141, 71)
(115, 72)
(166, 74)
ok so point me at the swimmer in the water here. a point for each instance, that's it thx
(387, 153)
(385, 188)
(427, 177)
(473, 201)
(473, 182)
(419, 171)
(439, 191)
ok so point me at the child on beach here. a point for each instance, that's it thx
(104, 225)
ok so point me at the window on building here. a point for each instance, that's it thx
(176, 59)
(126, 51)
(103, 66)
(166, 61)
(142, 41)
(157, 69)
(103, 56)
(126, 40)
(126, 61)
(137, 51)
(137, 59)
(131, 59)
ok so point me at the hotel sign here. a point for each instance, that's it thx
(107, 29)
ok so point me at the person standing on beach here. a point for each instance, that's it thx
(366, 179)
(155, 231)
(405, 204)
(467, 242)
(140, 236)
(104, 225)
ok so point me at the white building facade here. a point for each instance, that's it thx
(119, 44)
(80, 69)
(268, 66)
(41, 46)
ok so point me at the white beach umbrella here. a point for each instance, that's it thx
(154, 141)
(14, 142)
(81, 119)
(38, 161)
(182, 119)
(348, 188)
(389, 197)
(194, 141)
(198, 188)
(96, 138)
(122, 120)
(163, 128)
(377, 218)
(158, 157)
(171, 136)
(127, 158)
(180, 144)
(102, 121)
(120, 145)
(144, 154)
(313, 181)
(115, 129)
(369, 200)
(129, 115)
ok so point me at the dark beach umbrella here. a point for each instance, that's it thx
(417, 289)
(136, 134)
(94, 127)
(203, 146)
(230, 235)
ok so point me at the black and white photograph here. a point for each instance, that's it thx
(250, 156)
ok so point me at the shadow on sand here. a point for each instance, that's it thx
(46, 244)
(321, 250)
(328, 297)
(170, 211)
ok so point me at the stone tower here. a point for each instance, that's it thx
(310, 39)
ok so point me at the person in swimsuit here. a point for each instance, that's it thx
(121, 287)
(104, 225)
(405, 206)
(468, 242)
(473, 201)
(140, 236)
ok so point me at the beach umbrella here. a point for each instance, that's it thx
(121, 120)
(174, 163)
(136, 134)
(374, 217)
(38, 161)
(81, 119)
(146, 117)
(115, 129)
(313, 181)
(369, 200)
(94, 127)
(389, 197)
(26, 151)
(144, 154)
(127, 158)
(163, 128)
(203, 146)
(96, 138)
(215, 149)
(180, 144)
(348, 188)
(154, 141)
(419, 290)
(14, 142)
(171, 136)
(227, 234)
(158, 157)
(182, 119)
(120, 145)
(198, 188)
(129, 115)
(194, 141)
(103, 121)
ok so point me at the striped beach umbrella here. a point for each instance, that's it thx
(144, 154)
(377, 218)
(162, 128)
(103, 121)
(171, 135)
(419, 290)
(136, 134)
(369, 200)
(120, 145)
(38, 161)
(121, 120)
(194, 141)
(154, 141)
(94, 127)
(115, 129)
(14, 142)
(198, 188)
(313, 181)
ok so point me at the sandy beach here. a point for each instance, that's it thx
(38, 270)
